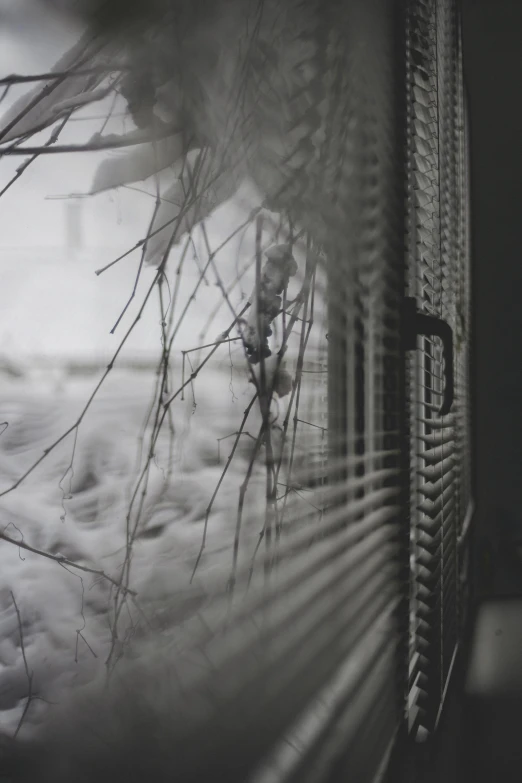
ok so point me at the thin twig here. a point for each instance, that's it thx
(48, 89)
(4, 93)
(296, 391)
(70, 469)
(231, 435)
(140, 267)
(17, 78)
(188, 203)
(265, 395)
(210, 345)
(94, 146)
(20, 170)
(26, 667)
(221, 478)
(60, 559)
(79, 631)
(239, 518)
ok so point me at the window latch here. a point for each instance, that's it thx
(416, 323)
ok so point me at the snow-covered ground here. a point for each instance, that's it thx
(82, 518)
(55, 343)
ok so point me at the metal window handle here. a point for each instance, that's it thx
(415, 323)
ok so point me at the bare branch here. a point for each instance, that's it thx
(26, 666)
(221, 478)
(111, 142)
(61, 560)
(140, 268)
(25, 165)
(18, 78)
(84, 48)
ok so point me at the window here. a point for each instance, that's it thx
(336, 621)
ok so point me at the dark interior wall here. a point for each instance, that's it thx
(493, 63)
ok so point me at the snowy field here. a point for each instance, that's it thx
(74, 504)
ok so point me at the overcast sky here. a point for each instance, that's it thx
(31, 41)
(52, 301)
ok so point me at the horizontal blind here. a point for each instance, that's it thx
(424, 240)
(439, 275)
(450, 272)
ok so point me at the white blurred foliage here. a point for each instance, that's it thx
(137, 164)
